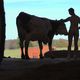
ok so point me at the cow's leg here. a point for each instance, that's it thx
(40, 47)
(22, 52)
(26, 50)
(50, 42)
(50, 45)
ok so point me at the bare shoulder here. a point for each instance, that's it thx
(77, 17)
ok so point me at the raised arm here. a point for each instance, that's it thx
(65, 20)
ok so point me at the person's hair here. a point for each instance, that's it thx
(71, 10)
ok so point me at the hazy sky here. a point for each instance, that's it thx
(53, 9)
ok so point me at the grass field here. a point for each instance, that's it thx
(14, 53)
(33, 52)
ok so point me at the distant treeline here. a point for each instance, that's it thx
(13, 44)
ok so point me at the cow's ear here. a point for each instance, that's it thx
(61, 20)
(56, 20)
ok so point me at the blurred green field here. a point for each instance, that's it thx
(15, 53)
(11, 50)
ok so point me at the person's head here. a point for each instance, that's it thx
(71, 11)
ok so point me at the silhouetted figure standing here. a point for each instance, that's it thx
(2, 29)
(74, 30)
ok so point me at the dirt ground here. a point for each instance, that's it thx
(40, 69)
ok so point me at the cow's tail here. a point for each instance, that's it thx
(18, 26)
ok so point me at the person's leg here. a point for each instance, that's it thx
(69, 41)
(76, 37)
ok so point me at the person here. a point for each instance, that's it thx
(74, 29)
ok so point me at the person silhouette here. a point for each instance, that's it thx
(74, 29)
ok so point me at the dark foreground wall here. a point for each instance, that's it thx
(2, 29)
(43, 69)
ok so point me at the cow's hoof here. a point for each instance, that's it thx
(22, 56)
(27, 57)
(41, 57)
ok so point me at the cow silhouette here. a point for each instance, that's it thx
(33, 28)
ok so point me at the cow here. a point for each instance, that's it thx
(34, 28)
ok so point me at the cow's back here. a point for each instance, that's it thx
(22, 21)
(40, 25)
(31, 27)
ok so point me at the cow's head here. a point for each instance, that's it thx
(60, 28)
